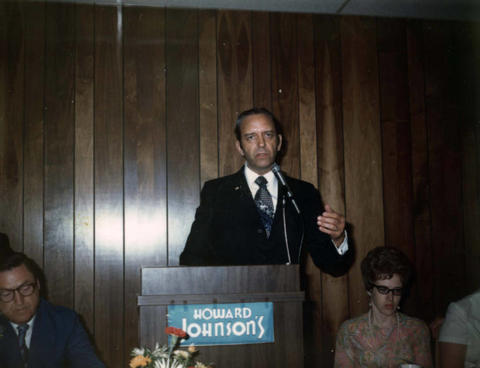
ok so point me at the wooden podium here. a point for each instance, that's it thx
(279, 284)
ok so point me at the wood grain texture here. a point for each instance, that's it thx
(234, 60)
(34, 131)
(11, 122)
(394, 112)
(84, 162)
(109, 192)
(306, 99)
(59, 139)
(362, 140)
(444, 153)
(285, 103)
(207, 85)
(466, 38)
(261, 60)
(396, 142)
(313, 343)
(420, 181)
(335, 301)
(145, 153)
(183, 164)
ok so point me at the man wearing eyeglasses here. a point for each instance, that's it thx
(33, 332)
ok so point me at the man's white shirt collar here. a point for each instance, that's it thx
(272, 184)
(28, 335)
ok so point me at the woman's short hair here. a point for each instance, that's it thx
(382, 263)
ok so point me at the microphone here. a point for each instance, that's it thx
(281, 178)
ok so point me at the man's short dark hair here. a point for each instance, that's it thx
(17, 259)
(5, 249)
(255, 111)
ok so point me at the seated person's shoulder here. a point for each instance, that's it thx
(354, 325)
(464, 308)
(414, 323)
(470, 304)
(58, 312)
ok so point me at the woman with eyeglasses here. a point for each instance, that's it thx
(384, 337)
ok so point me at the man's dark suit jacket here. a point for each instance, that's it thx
(58, 340)
(228, 231)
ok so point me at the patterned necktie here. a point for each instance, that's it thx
(264, 203)
(22, 331)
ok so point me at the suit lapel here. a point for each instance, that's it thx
(237, 191)
(42, 341)
(239, 183)
(9, 350)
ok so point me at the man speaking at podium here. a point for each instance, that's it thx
(259, 216)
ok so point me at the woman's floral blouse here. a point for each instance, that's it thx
(362, 345)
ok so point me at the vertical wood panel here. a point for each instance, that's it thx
(34, 129)
(420, 181)
(84, 163)
(182, 127)
(108, 156)
(313, 343)
(467, 37)
(207, 63)
(306, 99)
(396, 147)
(145, 153)
(285, 86)
(335, 307)
(444, 164)
(11, 123)
(261, 56)
(363, 154)
(234, 52)
(394, 111)
(59, 138)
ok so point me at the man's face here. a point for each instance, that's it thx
(259, 142)
(22, 308)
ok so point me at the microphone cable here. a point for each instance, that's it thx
(286, 235)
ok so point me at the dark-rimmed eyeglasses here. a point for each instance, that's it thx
(385, 290)
(27, 289)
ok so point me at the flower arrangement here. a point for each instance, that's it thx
(167, 356)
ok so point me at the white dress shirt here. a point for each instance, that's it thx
(28, 334)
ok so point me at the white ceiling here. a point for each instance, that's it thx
(426, 9)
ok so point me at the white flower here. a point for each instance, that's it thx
(177, 365)
(182, 353)
(163, 363)
(160, 363)
(138, 351)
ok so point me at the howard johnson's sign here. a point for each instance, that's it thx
(224, 324)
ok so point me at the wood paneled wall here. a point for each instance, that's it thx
(111, 119)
